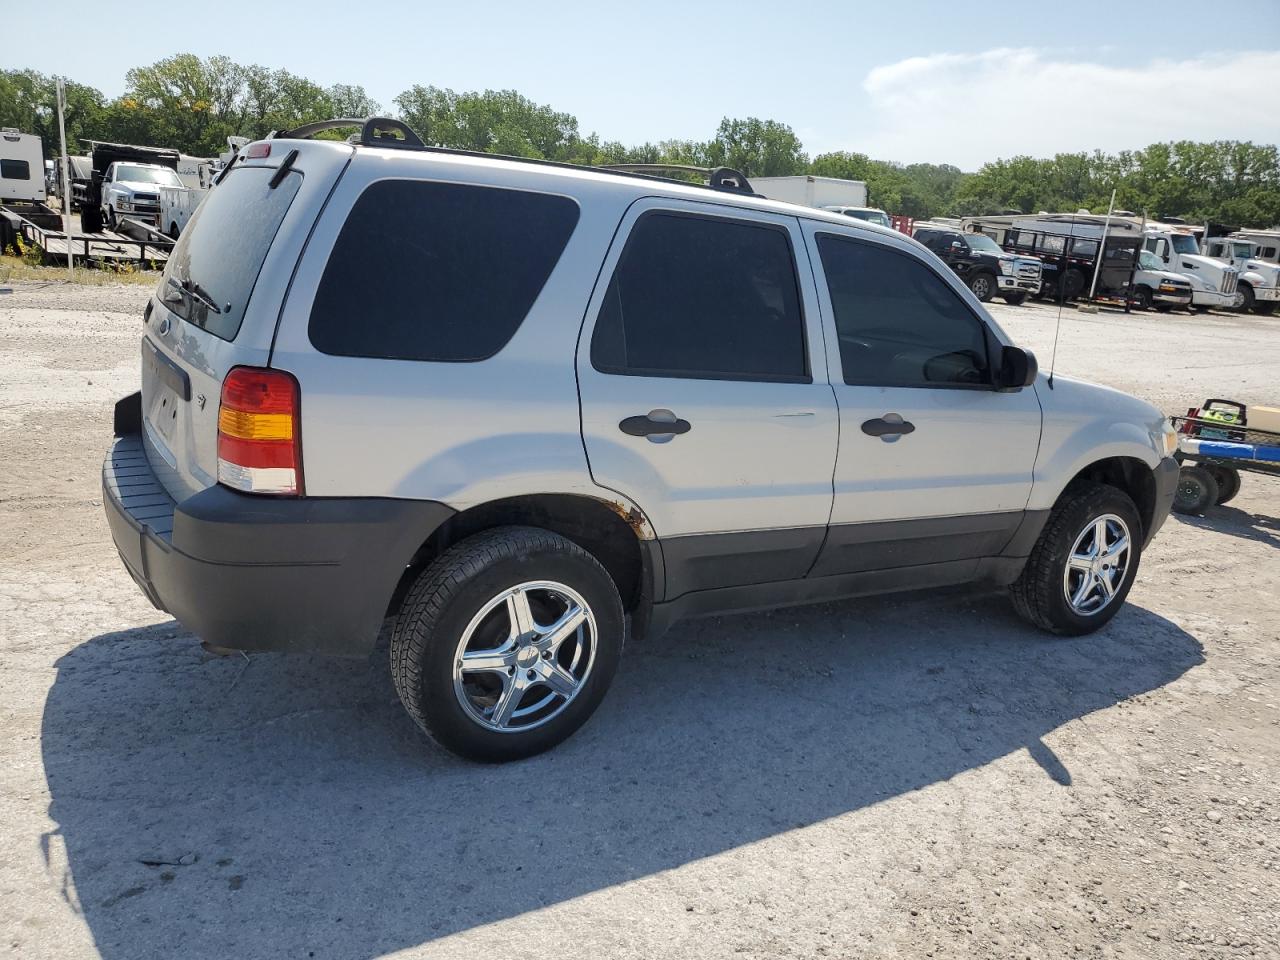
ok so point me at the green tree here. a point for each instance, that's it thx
(759, 148)
(28, 101)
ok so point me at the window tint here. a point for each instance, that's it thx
(219, 255)
(702, 297)
(928, 237)
(437, 271)
(898, 323)
(15, 170)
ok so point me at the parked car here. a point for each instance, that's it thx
(979, 261)
(518, 405)
(869, 214)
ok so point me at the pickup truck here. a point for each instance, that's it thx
(124, 181)
(980, 263)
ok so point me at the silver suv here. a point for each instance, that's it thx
(515, 405)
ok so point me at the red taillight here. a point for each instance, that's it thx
(259, 432)
(256, 151)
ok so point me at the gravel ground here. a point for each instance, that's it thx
(903, 777)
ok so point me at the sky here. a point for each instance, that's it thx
(940, 82)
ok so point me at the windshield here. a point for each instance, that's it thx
(1149, 261)
(1243, 250)
(980, 241)
(161, 175)
(1185, 243)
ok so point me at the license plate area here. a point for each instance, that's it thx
(171, 389)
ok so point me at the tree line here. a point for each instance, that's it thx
(194, 104)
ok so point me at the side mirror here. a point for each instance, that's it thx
(957, 245)
(1018, 368)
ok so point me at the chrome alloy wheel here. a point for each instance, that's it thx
(1097, 565)
(524, 656)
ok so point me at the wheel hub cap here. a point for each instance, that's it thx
(524, 656)
(1097, 565)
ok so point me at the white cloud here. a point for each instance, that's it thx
(967, 108)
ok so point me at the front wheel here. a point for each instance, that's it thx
(109, 218)
(507, 643)
(983, 286)
(1142, 298)
(1084, 563)
(1244, 299)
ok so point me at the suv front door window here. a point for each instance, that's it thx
(703, 388)
(950, 487)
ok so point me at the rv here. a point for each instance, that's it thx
(22, 173)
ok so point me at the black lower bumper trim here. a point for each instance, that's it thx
(311, 574)
(1166, 477)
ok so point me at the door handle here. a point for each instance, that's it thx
(888, 428)
(658, 426)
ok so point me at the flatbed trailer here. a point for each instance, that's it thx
(1214, 451)
(38, 225)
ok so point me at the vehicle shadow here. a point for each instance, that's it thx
(1236, 522)
(216, 807)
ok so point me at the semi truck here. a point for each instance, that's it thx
(1214, 283)
(1259, 286)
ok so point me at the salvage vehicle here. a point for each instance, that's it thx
(124, 182)
(1259, 286)
(979, 261)
(681, 399)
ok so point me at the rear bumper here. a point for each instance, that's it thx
(1166, 477)
(263, 573)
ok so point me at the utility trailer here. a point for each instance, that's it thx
(39, 226)
(1218, 441)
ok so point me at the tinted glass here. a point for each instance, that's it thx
(15, 170)
(898, 323)
(1269, 253)
(702, 297)
(218, 257)
(928, 237)
(437, 271)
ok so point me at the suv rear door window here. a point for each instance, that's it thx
(704, 298)
(437, 271)
(898, 323)
(214, 266)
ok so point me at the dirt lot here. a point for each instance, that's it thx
(911, 777)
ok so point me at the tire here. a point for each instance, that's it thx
(441, 620)
(984, 286)
(1142, 298)
(1245, 300)
(1043, 593)
(1228, 480)
(109, 218)
(1015, 299)
(1197, 490)
(1073, 284)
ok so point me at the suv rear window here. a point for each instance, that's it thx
(437, 271)
(218, 257)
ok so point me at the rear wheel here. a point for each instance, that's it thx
(1197, 490)
(983, 286)
(1228, 479)
(507, 643)
(1084, 563)
(1072, 284)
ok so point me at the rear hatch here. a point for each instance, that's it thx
(217, 304)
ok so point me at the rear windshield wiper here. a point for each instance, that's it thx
(197, 292)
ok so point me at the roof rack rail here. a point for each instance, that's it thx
(718, 178)
(374, 132)
(387, 132)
